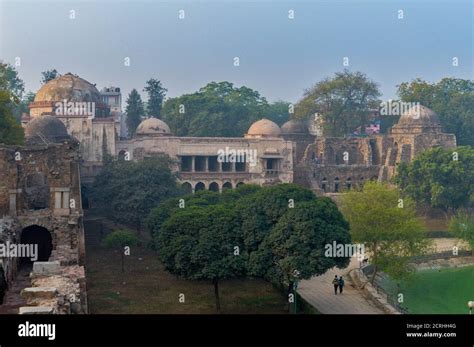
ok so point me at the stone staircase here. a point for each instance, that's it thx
(12, 301)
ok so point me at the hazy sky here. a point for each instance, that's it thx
(279, 57)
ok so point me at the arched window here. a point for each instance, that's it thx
(187, 188)
(227, 185)
(214, 187)
(199, 186)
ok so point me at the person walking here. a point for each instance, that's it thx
(335, 282)
(341, 284)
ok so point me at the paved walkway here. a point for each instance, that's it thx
(319, 292)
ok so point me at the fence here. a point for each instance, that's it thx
(390, 298)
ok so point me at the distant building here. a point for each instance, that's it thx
(297, 152)
(112, 97)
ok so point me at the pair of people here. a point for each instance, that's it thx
(338, 283)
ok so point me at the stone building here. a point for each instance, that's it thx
(261, 157)
(40, 203)
(332, 164)
(79, 105)
(297, 152)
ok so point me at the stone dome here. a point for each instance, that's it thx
(45, 129)
(418, 119)
(152, 127)
(68, 87)
(294, 126)
(263, 128)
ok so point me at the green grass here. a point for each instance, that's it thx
(446, 290)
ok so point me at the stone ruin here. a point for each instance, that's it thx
(40, 204)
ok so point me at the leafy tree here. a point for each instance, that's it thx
(126, 191)
(134, 111)
(49, 75)
(278, 112)
(440, 178)
(119, 240)
(9, 80)
(462, 226)
(260, 211)
(11, 87)
(298, 243)
(202, 243)
(156, 94)
(343, 101)
(217, 109)
(386, 226)
(451, 98)
(11, 132)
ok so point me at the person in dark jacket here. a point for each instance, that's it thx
(341, 284)
(335, 282)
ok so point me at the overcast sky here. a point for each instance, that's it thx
(279, 57)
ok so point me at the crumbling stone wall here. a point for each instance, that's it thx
(40, 186)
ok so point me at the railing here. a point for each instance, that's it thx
(271, 173)
(390, 298)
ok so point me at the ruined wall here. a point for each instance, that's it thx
(53, 169)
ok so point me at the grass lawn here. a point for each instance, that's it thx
(145, 287)
(445, 290)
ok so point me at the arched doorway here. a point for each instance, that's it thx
(227, 185)
(187, 188)
(40, 236)
(214, 187)
(199, 186)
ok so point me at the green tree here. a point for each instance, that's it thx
(440, 178)
(156, 94)
(127, 191)
(387, 226)
(217, 109)
(297, 243)
(9, 80)
(49, 75)
(260, 211)
(451, 98)
(203, 243)
(11, 88)
(278, 112)
(343, 101)
(134, 111)
(462, 226)
(119, 240)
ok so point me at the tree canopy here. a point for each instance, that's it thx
(156, 94)
(49, 75)
(11, 89)
(120, 239)
(387, 225)
(268, 232)
(440, 178)
(217, 109)
(462, 226)
(343, 101)
(451, 98)
(126, 191)
(134, 110)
